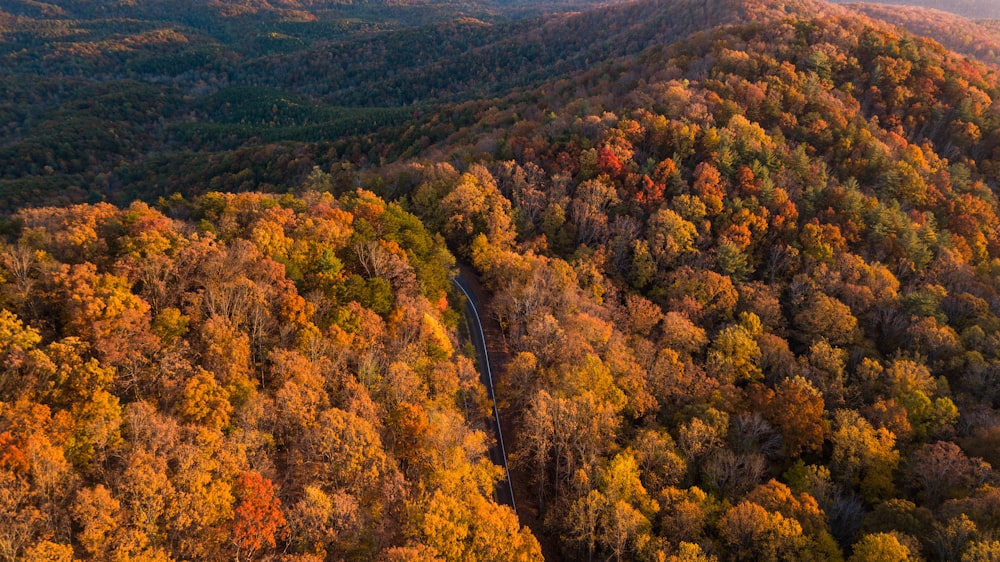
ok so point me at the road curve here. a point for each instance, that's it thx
(498, 453)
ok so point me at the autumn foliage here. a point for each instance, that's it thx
(741, 259)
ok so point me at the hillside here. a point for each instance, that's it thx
(976, 9)
(743, 257)
(740, 252)
(122, 108)
(973, 38)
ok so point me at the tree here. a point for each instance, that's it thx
(797, 409)
(707, 184)
(589, 209)
(625, 530)
(582, 520)
(827, 318)
(205, 401)
(670, 237)
(351, 450)
(863, 456)
(689, 552)
(98, 423)
(734, 355)
(941, 470)
(102, 310)
(258, 519)
(658, 459)
(913, 388)
(982, 551)
(704, 295)
(881, 547)
(97, 513)
(753, 533)
(145, 493)
(476, 206)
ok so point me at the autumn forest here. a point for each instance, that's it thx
(737, 264)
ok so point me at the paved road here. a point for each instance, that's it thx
(498, 453)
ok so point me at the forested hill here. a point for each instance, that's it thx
(115, 106)
(979, 39)
(461, 60)
(966, 8)
(744, 256)
(764, 260)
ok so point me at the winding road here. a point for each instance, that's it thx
(498, 453)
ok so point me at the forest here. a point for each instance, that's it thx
(742, 267)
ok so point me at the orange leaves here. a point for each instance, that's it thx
(796, 408)
(12, 455)
(97, 512)
(258, 518)
(102, 308)
(608, 163)
(709, 187)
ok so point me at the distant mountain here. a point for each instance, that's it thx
(974, 38)
(967, 8)
(462, 59)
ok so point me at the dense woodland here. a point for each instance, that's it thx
(746, 278)
(262, 375)
(966, 8)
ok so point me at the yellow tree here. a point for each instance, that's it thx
(863, 456)
(881, 547)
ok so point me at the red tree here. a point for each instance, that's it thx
(258, 518)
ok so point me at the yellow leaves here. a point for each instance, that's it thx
(775, 496)
(690, 552)
(50, 471)
(98, 423)
(205, 401)
(102, 310)
(619, 481)
(465, 526)
(734, 355)
(912, 387)
(476, 206)
(170, 325)
(438, 344)
(821, 242)
(753, 533)
(270, 239)
(147, 232)
(594, 377)
(880, 547)
(226, 352)
(351, 448)
(14, 334)
(670, 236)
(864, 456)
(446, 526)
(69, 232)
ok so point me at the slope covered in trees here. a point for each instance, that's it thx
(966, 8)
(243, 376)
(745, 266)
(749, 282)
(977, 39)
(117, 101)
